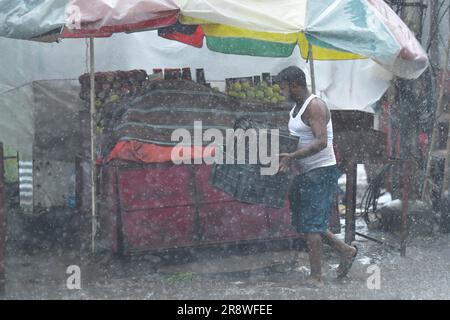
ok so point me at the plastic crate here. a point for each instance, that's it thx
(226, 178)
(287, 142)
(245, 183)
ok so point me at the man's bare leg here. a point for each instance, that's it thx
(314, 242)
(340, 246)
(346, 252)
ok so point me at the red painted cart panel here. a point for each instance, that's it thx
(157, 207)
(233, 221)
(157, 187)
(158, 228)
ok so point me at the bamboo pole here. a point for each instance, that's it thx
(93, 162)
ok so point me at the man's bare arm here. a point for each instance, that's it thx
(317, 116)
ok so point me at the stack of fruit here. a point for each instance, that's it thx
(112, 86)
(263, 92)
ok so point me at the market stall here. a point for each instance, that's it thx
(321, 30)
(146, 201)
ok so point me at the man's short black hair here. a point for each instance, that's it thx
(292, 75)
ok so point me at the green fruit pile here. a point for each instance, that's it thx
(261, 92)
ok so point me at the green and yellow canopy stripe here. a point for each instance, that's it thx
(234, 40)
(323, 51)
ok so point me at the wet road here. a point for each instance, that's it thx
(255, 273)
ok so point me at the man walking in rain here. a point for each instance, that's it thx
(314, 189)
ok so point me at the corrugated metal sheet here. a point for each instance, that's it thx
(26, 185)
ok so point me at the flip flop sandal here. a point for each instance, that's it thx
(313, 285)
(346, 266)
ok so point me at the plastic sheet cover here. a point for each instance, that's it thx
(352, 85)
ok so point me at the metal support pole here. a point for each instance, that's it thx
(2, 224)
(445, 182)
(311, 68)
(350, 202)
(93, 160)
(406, 187)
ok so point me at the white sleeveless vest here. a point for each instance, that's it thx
(298, 128)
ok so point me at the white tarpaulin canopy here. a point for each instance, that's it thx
(344, 84)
